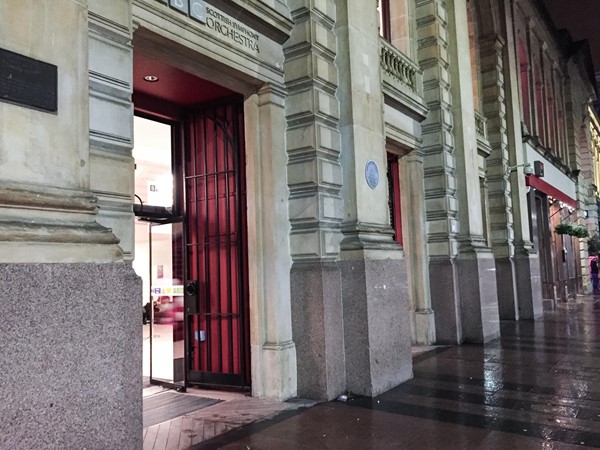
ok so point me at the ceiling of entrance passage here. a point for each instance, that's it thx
(173, 85)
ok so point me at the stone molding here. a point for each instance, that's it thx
(361, 235)
(43, 217)
(46, 198)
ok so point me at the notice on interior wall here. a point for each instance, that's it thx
(28, 82)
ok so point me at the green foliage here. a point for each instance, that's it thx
(562, 228)
(580, 231)
(572, 229)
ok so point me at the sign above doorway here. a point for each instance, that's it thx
(219, 23)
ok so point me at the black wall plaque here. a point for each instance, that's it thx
(28, 82)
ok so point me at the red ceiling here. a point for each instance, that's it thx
(173, 85)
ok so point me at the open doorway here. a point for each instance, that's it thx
(190, 233)
(158, 253)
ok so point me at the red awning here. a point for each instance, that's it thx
(548, 189)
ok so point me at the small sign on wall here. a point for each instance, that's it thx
(372, 174)
(28, 82)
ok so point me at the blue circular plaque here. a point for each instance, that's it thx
(372, 174)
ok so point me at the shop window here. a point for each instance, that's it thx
(394, 204)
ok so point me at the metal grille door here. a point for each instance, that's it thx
(216, 247)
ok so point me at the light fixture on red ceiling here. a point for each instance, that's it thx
(151, 78)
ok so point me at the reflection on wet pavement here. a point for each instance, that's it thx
(537, 387)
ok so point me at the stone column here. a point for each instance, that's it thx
(498, 171)
(476, 266)
(377, 332)
(71, 358)
(527, 265)
(439, 167)
(415, 247)
(314, 180)
(273, 350)
(111, 117)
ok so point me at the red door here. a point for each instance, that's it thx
(215, 200)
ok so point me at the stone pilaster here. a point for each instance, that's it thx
(439, 168)
(476, 265)
(111, 117)
(314, 180)
(415, 247)
(375, 297)
(498, 171)
(272, 347)
(527, 264)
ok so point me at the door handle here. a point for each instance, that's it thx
(190, 297)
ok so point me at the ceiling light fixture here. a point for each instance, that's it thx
(151, 78)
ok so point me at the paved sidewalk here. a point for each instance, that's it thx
(538, 387)
(234, 411)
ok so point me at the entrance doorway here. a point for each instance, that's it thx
(191, 239)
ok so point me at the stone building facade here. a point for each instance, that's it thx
(345, 181)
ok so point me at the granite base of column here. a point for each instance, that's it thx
(71, 356)
(423, 327)
(318, 330)
(478, 297)
(508, 307)
(277, 371)
(377, 331)
(443, 277)
(529, 287)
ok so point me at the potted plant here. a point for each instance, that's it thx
(562, 228)
(572, 229)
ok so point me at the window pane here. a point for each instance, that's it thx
(152, 154)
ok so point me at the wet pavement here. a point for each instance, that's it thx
(537, 387)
